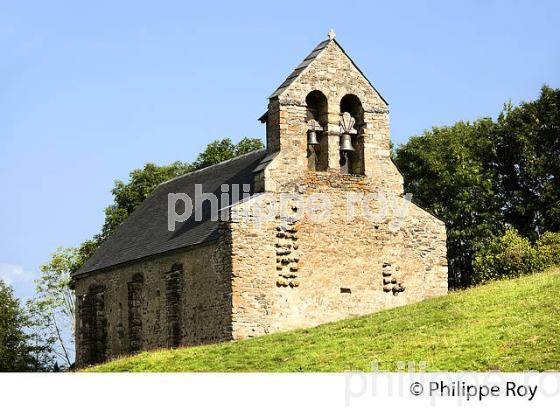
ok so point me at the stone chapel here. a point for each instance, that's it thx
(206, 281)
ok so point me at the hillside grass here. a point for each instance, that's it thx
(510, 325)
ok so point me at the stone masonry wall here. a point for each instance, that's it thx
(180, 298)
(334, 74)
(278, 274)
(303, 273)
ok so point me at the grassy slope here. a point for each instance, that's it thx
(511, 325)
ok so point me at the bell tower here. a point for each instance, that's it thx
(327, 117)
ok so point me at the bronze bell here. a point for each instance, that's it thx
(312, 138)
(346, 142)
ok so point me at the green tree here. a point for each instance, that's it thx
(54, 301)
(127, 196)
(548, 247)
(483, 177)
(450, 172)
(528, 164)
(222, 150)
(506, 256)
(21, 349)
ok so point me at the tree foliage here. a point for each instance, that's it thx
(128, 195)
(512, 255)
(485, 176)
(449, 172)
(528, 164)
(222, 150)
(548, 247)
(54, 302)
(506, 256)
(21, 348)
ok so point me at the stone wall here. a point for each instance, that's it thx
(333, 74)
(291, 274)
(179, 298)
(296, 273)
(92, 332)
(279, 274)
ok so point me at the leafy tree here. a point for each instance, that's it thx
(21, 349)
(247, 145)
(528, 164)
(548, 247)
(222, 150)
(450, 172)
(506, 256)
(483, 177)
(53, 304)
(127, 196)
(512, 255)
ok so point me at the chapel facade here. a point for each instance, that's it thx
(207, 280)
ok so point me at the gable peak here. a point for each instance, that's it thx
(311, 57)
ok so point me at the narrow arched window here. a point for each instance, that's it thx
(351, 139)
(135, 313)
(316, 119)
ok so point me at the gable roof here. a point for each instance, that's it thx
(145, 233)
(312, 57)
(299, 69)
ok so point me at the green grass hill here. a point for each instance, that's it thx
(510, 325)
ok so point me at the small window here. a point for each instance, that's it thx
(345, 290)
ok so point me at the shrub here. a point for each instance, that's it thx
(508, 256)
(548, 248)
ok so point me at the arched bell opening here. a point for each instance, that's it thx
(351, 137)
(316, 120)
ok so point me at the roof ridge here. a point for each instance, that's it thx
(301, 67)
(196, 171)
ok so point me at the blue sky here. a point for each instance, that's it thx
(92, 90)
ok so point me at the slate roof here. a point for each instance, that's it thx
(308, 60)
(299, 69)
(145, 232)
